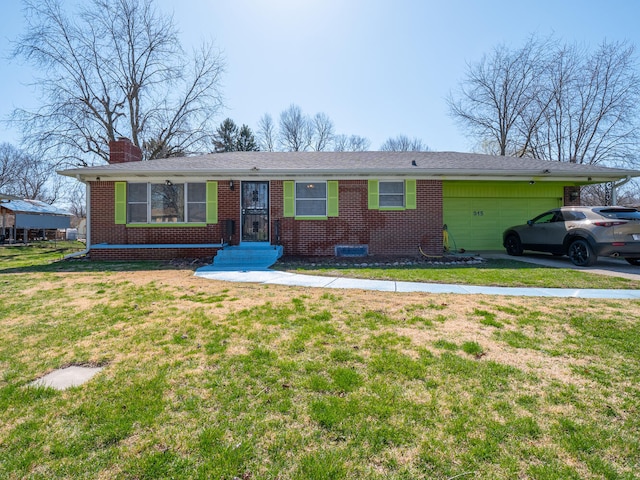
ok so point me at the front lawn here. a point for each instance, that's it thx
(493, 272)
(207, 379)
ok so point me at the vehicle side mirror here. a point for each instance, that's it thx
(529, 222)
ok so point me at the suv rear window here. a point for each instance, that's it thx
(621, 213)
(570, 216)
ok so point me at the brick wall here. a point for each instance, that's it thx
(570, 192)
(229, 209)
(393, 233)
(104, 230)
(121, 254)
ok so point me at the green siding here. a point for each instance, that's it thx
(502, 189)
(476, 213)
(332, 198)
(212, 202)
(121, 203)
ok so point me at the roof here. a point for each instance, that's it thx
(4, 196)
(33, 207)
(434, 165)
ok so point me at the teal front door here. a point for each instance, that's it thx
(255, 212)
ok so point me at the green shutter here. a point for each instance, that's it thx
(332, 198)
(374, 196)
(121, 203)
(212, 202)
(410, 194)
(289, 188)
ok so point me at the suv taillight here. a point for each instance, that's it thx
(608, 224)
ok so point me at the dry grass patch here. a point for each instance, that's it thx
(210, 379)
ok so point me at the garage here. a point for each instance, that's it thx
(476, 213)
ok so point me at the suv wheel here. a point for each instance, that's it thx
(513, 245)
(633, 261)
(581, 253)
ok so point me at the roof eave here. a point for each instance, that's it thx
(420, 173)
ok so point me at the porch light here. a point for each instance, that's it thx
(168, 182)
(231, 187)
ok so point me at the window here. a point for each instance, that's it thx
(196, 202)
(570, 216)
(546, 217)
(137, 203)
(391, 194)
(621, 213)
(166, 202)
(311, 199)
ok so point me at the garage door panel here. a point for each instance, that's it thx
(478, 223)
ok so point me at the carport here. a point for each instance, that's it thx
(20, 217)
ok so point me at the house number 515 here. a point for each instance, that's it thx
(478, 213)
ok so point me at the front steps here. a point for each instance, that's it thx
(246, 257)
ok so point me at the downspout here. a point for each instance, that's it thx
(88, 240)
(614, 186)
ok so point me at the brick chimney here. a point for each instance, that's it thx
(122, 151)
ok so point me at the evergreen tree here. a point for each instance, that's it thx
(226, 136)
(230, 138)
(246, 142)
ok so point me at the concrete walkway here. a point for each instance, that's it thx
(272, 277)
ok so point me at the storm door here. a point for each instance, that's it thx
(255, 211)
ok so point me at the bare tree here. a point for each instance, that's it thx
(115, 68)
(299, 132)
(76, 198)
(155, 148)
(350, 143)
(295, 133)
(24, 175)
(321, 132)
(10, 167)
(555, 102)
(601, 194)
(266, 133)
(402, 143)
(500, 98)
(593, 115)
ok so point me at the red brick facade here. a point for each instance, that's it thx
(388, 233)
(104, 230)
(571, 196)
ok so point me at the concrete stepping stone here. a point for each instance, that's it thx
(64, 378)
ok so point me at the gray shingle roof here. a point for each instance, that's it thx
(354, 164)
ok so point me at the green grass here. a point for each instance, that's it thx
(493, 272)
(36, 254)
(206, 379)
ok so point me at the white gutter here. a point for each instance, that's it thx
(88, 240)
(614, 187)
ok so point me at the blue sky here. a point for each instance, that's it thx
(377, 68)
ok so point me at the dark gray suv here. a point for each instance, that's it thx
(581, 233)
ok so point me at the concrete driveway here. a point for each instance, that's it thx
(614, 267)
